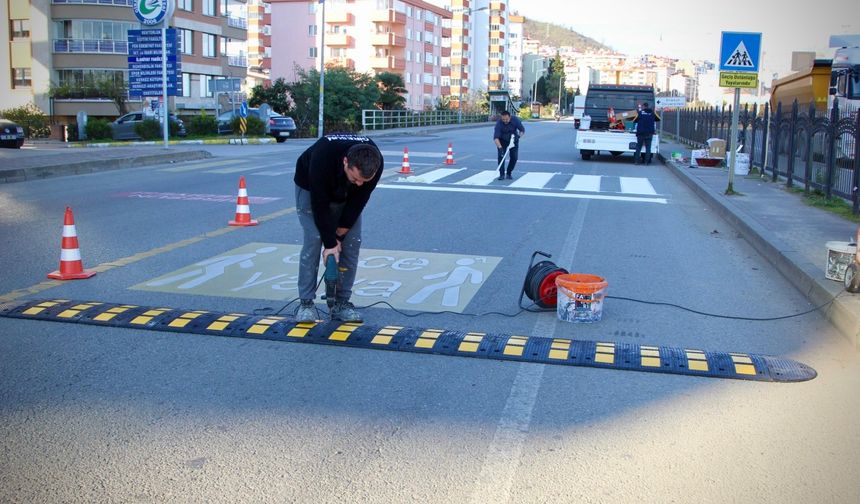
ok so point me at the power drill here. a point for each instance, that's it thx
(330, 279)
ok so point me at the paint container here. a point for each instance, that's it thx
(839, 255)
(580, 297)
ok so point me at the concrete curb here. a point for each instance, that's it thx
(93, 166)
(805, 276)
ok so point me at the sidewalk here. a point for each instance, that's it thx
(781, 227)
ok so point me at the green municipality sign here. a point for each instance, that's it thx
(407, 280)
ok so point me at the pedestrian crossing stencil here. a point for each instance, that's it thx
(740, 57)
(545, 184)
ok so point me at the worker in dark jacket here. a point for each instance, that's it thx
(334, 178)
(646, 124)
(508, 129)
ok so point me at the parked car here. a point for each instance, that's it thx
(11, 135)
(277, 125)
(123, 127)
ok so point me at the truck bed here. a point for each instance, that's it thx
(616, 142)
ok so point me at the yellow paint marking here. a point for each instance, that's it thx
(112, 312)
(185, 318)
(427, 338)
(650, 356)
(35, 310)
(743, 364)
(68, 313)
(140, 320)
(84, 306)
(605, 353)
(339, 336)
(42, 286)
(263, 325)
(381, 339)
(147, 316)
(741, 358)
(559, 349)
(515, 346)
(470, 342)
(298, 332)
(696, 360)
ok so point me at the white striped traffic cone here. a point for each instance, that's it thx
(243, 208)
(71, 266)
(404, 168)
(449, 159)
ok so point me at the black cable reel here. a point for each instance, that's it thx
(539, 284)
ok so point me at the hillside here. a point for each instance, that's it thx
(554, 35)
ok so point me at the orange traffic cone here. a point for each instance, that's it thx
(404, 168)
(450, 158)
(243, 209)
(71, 266)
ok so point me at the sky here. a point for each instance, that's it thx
(691, 29)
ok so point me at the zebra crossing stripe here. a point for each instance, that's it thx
(532, 180)
(584, 183)
(636, 185)
(433, 176)
(482, 178)
(521, 192)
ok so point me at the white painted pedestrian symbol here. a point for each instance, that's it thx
(740, 57)
(451, 285)
(212, 268)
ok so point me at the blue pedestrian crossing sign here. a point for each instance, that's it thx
(243, 109)
(740, 52)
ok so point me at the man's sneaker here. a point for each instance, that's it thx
(306, 312)
(346, 312)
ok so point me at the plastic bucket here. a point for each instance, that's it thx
(585, 122)
(742, 165)
(839, 255)
(580, 297)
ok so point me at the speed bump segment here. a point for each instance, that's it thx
(558, 351)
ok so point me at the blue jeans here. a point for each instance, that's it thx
(310, 259)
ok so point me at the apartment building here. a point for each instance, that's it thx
(407, 37)
(515, 54)
(66, 45)
(259, 41)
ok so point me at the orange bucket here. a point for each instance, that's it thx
(580, 297)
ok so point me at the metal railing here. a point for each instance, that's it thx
(90, 46)
(796, 143)
(237, 22)
(373, 119)
(240, 61)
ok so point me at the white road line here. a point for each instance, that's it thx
(525, 161)
(441, 155)
(636, 185)
(200, 166)
(517, 192)
(482, 178)
(503, 457)
(275, 173)
(584, 183)
(433, 176)
(532, 180)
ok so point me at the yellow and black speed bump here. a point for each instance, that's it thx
(625, 356)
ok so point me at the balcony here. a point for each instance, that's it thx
(446, 32)
(341, 62)
(446, 90)
(237, 22)
(388, 16)
(388, 40)
(446, 52)
(124, 3)
(340, 18)
(90, 46)
(446, 71)
(237, 61)
(339, 40)
(387, 63)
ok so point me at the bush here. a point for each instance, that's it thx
(203, 124)
(256, 126)
(72, 131)
(31, 118)
(150, 129)
(98, 129)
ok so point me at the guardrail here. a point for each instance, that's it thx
(90, 46)
(798, 143)
(128, 3)
(372, 119)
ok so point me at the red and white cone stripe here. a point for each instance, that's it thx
(243, 208)
(450, 158)
(71, 266)
(404, 168)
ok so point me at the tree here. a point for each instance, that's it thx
(391, 91)
(555, 80)
(276, 94)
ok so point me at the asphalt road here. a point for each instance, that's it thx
(96, 414)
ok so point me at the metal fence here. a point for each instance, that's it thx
(797, 143)
(372, 119)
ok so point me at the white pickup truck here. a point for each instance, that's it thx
(594, 133)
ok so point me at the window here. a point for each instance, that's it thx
(186, 41)
(312, 52)
(428, 57)
(186, 5)
(209, 7)
(204, 86)
(408, 55)
(19, 28)
(186, 84)
(312, 30)
(208, 45)
(21, 77)
(417, 57)
(409, 34)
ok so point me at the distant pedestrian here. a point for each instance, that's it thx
(508, 129)
(646, 124)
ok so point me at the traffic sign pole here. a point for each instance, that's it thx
(164, 116)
